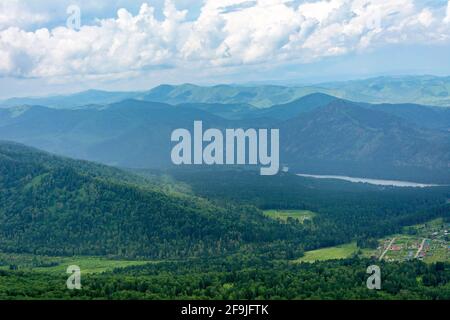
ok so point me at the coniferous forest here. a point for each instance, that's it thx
(193, 237)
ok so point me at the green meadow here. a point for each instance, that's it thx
(88, 265)
(331, 253)
(299, 215)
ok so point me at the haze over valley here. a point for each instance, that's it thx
(320, 133)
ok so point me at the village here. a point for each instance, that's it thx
(429, 242)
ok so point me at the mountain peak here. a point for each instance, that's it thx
(304, 104)
(316, 96)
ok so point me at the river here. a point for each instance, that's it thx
(377, 182)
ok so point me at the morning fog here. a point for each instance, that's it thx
(231, 147)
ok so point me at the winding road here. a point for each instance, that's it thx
(420, 248)
(387, 248)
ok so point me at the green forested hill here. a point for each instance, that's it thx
(51, 205)
(57, 206)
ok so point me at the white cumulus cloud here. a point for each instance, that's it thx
(16, 13)
(225, 34)
(447, 16)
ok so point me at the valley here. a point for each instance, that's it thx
(224, 159)
(88, 180)
(180, 234)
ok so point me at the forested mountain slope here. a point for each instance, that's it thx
(345, 138)
(51, 205)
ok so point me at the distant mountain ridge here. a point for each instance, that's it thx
(425, 90)
(127, 134)
(421, 115)
(260, 97)
(319, 133)
(347, 139)
(70, 101)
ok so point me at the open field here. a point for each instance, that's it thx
(59, 265)
(299, 215)
(338, 252)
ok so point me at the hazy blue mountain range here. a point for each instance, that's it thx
(261, 96)
(296, 107)
(90, 97)
(420, 115)
(348, 139)
(426, 90)
(130, 133)
(227, 111)
(319, 134)
(425, 116)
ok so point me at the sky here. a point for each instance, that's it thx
(49, 47)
